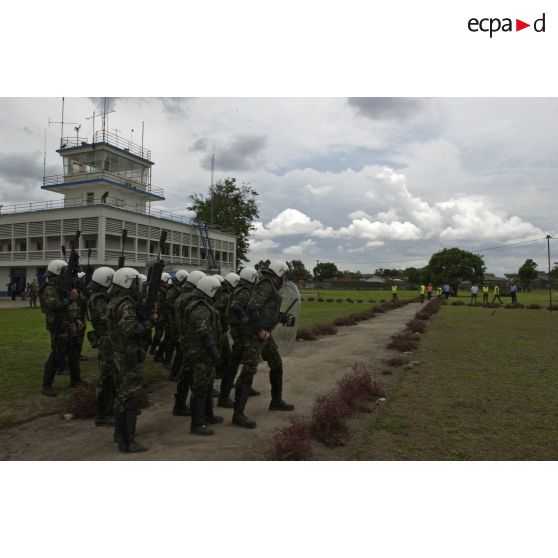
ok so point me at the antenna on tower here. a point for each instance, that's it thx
(52, 122)
(211, 191)
(44, 160)
(76, 128)
(93, 116)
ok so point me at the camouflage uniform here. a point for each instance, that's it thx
(156, 344)
(167, 347)
(238, 320)
(126, 334)
(61, 317)
(33, 294)
(263, 311)
(222, 302)
(82, 315)
(97, 306)
(181, 371)
(202, 331)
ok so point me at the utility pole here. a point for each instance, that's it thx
(212, 193)
(548, 237)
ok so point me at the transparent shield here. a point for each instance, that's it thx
(284, 336)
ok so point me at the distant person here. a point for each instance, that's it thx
(485, 294)
(33, 287)
(513, 292)
(13, 290)
(446, 289)
(474, 293)
(422, 291)
(439, 292)
(104, 197)
(429, 289)
(497, 294)
(394, 292)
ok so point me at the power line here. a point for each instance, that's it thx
(429, 256)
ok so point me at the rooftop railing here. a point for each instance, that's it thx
(102, 136)
(125, 181)
(118, 203)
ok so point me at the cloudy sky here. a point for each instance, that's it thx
(364, 182)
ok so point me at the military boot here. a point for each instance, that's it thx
(276, 380)
(197, 404)
(210, 416)
(180, 408)
(102, 406)
(49, 372)
(241, 392)
(128, 420)
(226, 387)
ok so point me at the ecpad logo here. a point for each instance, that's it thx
(493, 25)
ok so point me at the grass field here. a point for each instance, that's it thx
(486, 388)
(24, 346)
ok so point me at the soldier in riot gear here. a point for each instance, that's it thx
(127, 330)
(222, 301)
(263, 310)
(59, 306)
(157, 343)
(82, 309)
(237, 318)
(99, 338)
(202, 328)
(182, 368)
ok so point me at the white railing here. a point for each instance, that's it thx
(131, 182)
(110, 201)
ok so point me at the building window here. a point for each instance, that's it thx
(39, 245)
(91, 244)
(23, 246)
(90, 198)
(175, 250)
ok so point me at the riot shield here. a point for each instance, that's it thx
(285, 337)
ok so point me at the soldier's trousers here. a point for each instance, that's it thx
(107, 374)
(232, 363)
(253, 349)
(128, 380)
(63, 346)
(225, 351)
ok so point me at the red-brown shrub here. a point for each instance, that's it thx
(417, 326)
(328, 420)
(323, 329)
(345, 321)
(306, 334)
(292, 443)
(357, 387)
(403, 342)
(81, 402)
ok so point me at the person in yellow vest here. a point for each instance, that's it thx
(422, 291)
(394, 292)
(485, 294)
(439, 292)
(497, 294)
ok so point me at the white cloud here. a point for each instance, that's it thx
(288, 222)
(359, 214)
(300, 249)
(265, 244)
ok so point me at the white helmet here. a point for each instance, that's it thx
(232, 279)
(142, 279)
(81, 274)
(218, 277)
(208, 285)
(249, 274)
(56, 266)
(278, 267)
(124, 277)
(194, 277)
(180, 276)
(103, 276)
(165, 277)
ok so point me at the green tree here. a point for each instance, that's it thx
(527, 273)
(262, 264)
(298, 271)
(413, 274)
(229, 207)
(325, 270)
(453, 266)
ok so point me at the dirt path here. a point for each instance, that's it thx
(312, 369)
